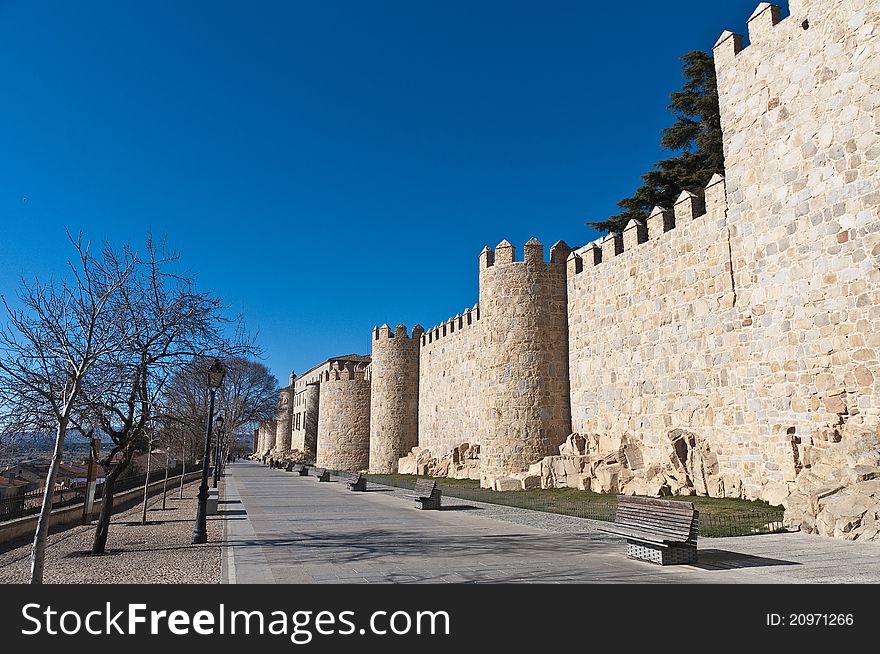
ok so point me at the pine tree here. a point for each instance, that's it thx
(696, 135)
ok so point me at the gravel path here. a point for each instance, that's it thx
(158, 552)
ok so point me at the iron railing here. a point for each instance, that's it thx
(743, 523)
(30, 503)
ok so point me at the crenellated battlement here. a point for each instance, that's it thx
(349, 371)
(733, 334)
(688, 208)
(457, 323)
(762, 31)
(533, 253)
(400, 332)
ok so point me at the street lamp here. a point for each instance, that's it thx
(214, 380)
(218, 450)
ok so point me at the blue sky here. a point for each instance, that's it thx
(328, 166)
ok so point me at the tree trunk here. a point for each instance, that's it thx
(102, 529)
(38, 550)
(183, 472)
(165, 483)
(147, 482)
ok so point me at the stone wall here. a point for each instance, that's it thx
(304, 421)
(450, 371)
(652, 327)
(526, 413)
(344, 419)
(283, 420)
(266, 437)
(800, 110)
(394, 396)
(753, 328)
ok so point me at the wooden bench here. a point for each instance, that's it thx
(660, 531)
(356, 482)
(426, 494)
(321, 474)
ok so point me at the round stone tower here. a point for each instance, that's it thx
(344, 419)
(526, 415)
(283, 418)
(266, 438)
(394, 396)
(311, 402)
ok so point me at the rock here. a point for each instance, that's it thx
(504, 484)
(865, 473)
(574, 445)
(606, 478)
(635, 486)
(731, 486)
(585, 482)
(530, 482)
(656, 489)
(848, 504)
(406, 465)
(775, 492)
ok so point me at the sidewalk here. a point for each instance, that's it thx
(158, 552)
(284, 528)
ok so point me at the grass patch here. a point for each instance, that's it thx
(718, 516)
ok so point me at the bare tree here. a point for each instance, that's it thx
(49, 349)
(248, 395)
(171, 323)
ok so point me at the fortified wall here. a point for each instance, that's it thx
(727, 346)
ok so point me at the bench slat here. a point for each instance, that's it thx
(670, 506)
(650, 536)
(653, 522)
(648, 533)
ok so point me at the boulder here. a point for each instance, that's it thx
(635, 486)
(775, 492)
(574, 445)
(406, 465)
(530, 482)
(656, 489)
(606, 478)
(504, 484)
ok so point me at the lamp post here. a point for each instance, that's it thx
(200, 531)
(218, 451)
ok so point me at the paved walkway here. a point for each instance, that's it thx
(284, 528)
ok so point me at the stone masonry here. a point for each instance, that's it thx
(394, 396)
(344, 419)
(727, 346)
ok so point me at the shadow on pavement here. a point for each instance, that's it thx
(724, 560)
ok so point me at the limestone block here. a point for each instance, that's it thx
(530, 482)
(574, 445)
(635, 486)
(606, 477)
(406, 465)
(656, 489)
(775, 492)
(504, 484)
(865, 472)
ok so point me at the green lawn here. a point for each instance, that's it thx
(718, 516)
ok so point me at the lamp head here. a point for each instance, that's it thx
(215, 374)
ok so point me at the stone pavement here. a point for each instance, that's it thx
(283, 528)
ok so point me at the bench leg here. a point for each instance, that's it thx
(673, 555)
